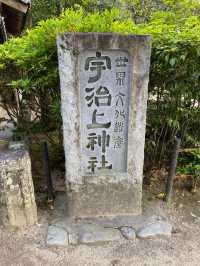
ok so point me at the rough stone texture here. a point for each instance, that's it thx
(73, 238)
(57, 236)
(105, 198)
(156, 229)
(109, 193)
(91, 233)
(94, 230)
(128, 232)
(17, 200)
(16, 145)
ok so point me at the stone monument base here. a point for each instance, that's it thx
(105, 198)
(64, 231)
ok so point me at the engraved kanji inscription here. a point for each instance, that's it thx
(97, 64)
(120, 98)
(105, 164)
(121, 61)
(96, 123)
(118, 142)
(104, 96)
(101, 96)
(102, 141)
(120, 78)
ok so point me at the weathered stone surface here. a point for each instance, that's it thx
(57, 236)
(16, 145)
(17, 200)
(91, 233)
(109, 95)
(104, 179)
(156, 229)
(104, 199)
(73, 238)
(128, 232)
(127, 226)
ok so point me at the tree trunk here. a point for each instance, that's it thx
(172, 170)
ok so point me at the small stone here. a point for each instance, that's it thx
(92, 233)
(128, 232)
(73, 238)
(156, 229)
(57, 236)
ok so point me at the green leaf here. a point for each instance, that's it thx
(172, 61)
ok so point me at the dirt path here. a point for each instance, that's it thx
(183, 248)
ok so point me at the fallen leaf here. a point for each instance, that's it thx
(160, 195)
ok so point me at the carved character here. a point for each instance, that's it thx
(119, 114)
(119, 126)
(121, 61)
(92, 164)
(120, 76)
(118, 141)
(104, 164)
(119, 97)
(97, 64)
(103, 141)
(96, 124)
(102, 97)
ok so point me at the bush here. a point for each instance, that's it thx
(28, 67)
(189, 165)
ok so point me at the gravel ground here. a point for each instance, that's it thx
(183, 248)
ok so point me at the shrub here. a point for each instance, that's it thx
(28, 67)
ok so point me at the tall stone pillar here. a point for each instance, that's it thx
(104, 87)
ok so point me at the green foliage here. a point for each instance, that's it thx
(43, 9)
(29, 65)
(174, 82)
(33, 61)
(50, 8)
(189, 165)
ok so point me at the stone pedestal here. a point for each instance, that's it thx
(104, 80)
(17, 200)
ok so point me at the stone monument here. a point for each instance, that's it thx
(104, 88)
(17, 200)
